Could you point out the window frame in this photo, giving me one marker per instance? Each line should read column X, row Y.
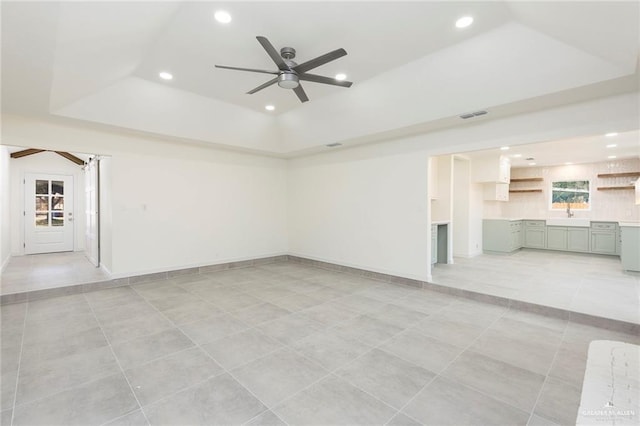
column 551, row 208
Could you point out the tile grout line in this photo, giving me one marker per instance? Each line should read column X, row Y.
column 355, row 273
column 15, row 393
column 334, row 300
column 450, row 363
column 285, row 345
column 117, row 360
column 207, row 354
column 333, row 371
column 546, row 376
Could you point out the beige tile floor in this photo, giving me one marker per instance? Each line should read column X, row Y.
column 286, row 344
column 39, row 271
column 586, row 283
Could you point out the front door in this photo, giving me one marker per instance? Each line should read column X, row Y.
column 48, row 213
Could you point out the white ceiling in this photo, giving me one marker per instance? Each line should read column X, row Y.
column 99, row 61
column 596, row 148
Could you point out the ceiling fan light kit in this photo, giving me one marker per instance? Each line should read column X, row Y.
column 288, row 80
column 290, row 73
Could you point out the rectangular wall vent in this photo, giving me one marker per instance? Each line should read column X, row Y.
column 473, row 114
column 333, row 145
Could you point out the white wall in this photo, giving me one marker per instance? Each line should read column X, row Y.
column 361, row 208
column 461, row 181
column 442, row 205
column 605, row 205
column 186, row 212
column 174, row 205
column 5, row 208
column 46, row 163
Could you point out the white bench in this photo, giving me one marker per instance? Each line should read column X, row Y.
column 611, row 386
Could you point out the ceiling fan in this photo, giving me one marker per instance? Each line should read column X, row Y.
column 290, row 73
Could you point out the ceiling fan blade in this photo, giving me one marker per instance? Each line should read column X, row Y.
column 320, row 60
column 324, row 80
column 247, row 69
column 301, row 95
column 262, row 86
column 273, row 53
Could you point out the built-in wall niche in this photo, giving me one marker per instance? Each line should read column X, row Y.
column 616, row 187
column 529, row 185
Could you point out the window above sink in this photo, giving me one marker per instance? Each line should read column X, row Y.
column 570, row 195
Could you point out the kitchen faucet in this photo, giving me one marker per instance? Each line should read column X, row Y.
column 569, row 212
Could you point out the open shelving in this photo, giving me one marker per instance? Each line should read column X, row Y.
column 525, row 190
column 617, row 175
column 531, row 179
column 613, row 188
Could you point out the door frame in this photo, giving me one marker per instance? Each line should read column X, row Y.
column 92, row 166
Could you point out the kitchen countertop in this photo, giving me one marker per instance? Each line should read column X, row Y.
column 512, row 219
column 630, row 224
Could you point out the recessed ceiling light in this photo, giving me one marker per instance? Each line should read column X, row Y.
column 504, row 148
column 612, row 134
column 612, row 145
column 222, row 16
column 568, row 163
column 611, row 157
column 517, row 155
column 165, row 75
column 341, row 77
column 269, row 107
column 464, row 22
column 532, row 164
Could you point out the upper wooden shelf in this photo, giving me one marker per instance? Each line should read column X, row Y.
column 531, row 179
column 612, row 188
column 615, row 175
column 525, row 190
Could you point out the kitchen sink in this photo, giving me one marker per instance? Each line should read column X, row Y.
column 569, row 221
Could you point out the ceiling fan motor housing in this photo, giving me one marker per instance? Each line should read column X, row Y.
column 288, row 52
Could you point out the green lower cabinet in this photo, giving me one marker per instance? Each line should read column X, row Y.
column 535, row 233
column 630, row 252
column 501, row 236
column 556, row 238
column 568, row 238
column 578, row 239
column 604, row 242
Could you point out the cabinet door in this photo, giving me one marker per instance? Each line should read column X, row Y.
column 496, row 192
column 556, row 238
column 630, row 250
column 505, row 169
column 578, row 239
column 534, row 237
column 603, row 242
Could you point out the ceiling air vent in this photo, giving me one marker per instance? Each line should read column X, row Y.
column 473, row 114
column 333, row 145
